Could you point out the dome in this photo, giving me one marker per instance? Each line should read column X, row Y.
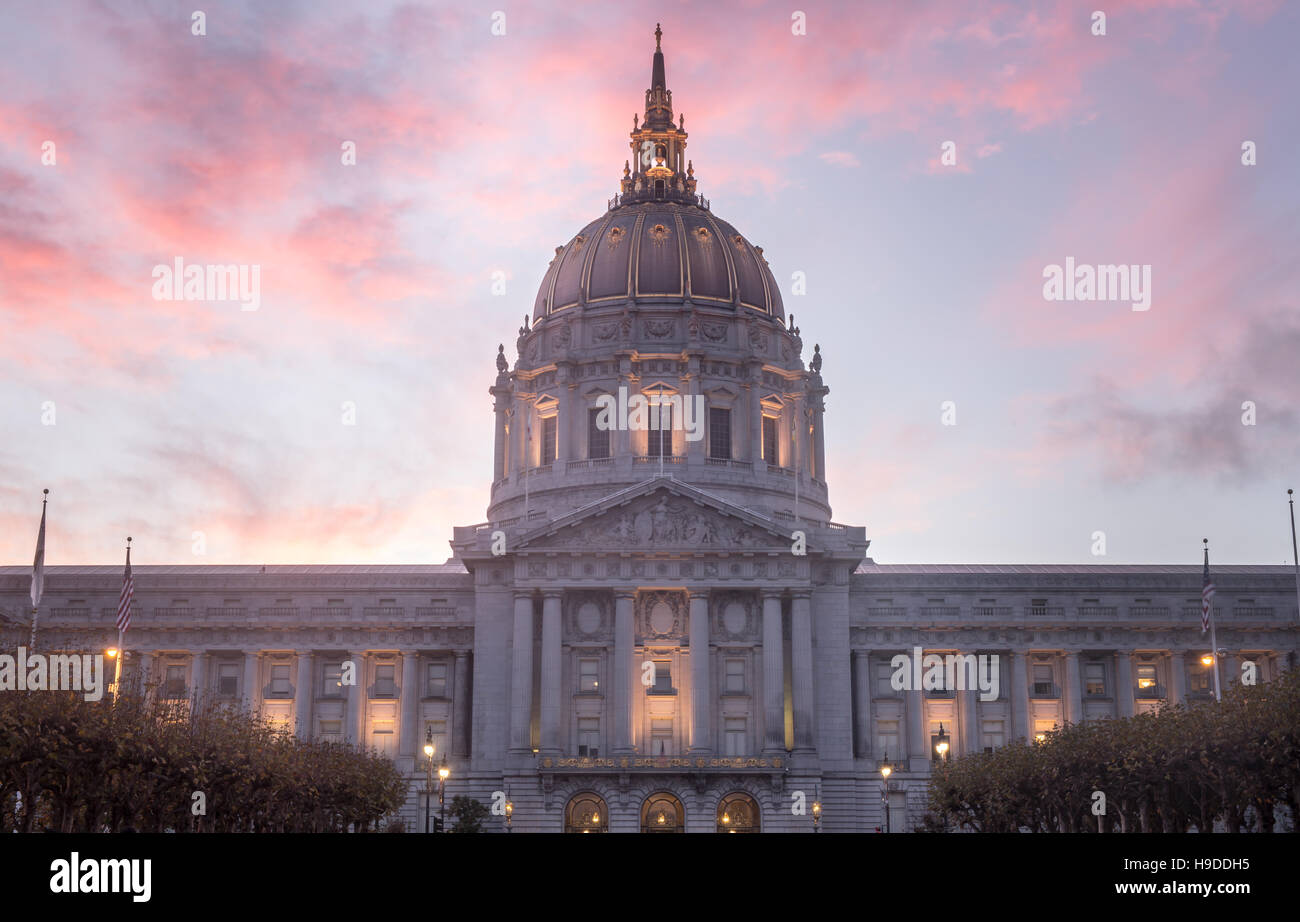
column 657, row 252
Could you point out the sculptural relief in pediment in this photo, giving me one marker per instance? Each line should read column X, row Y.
column 662, row 521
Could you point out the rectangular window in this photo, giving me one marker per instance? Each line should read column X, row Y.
column 1146, row 681
column 769, row 440
column 1042, row 728
column 735, row 676
column 719, row 433
column 331, row 683
column 588, row 675
column 884, row 681
column 175, row 685
column 663, row 677
column 661, row 737
column 597, row 438
column 228, row 680
column 660, row 441
column 887, row 743
column 1094, row 679
column 589, row 737
column 1043, row 685
column 995, row 734
column 331, row 730
column 383, row 738
column 735, row 736
column 280, row 681
column 439, row 730
column 1199, row 678
column 548, row 439
column 385, row 680
column 437, row 680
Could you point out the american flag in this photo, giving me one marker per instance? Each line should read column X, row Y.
column 1207, row 594
column 124, row 602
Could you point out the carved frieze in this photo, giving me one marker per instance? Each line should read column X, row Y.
column 665, row 521
column 734, row 615
column 587, row 615
column 661, row 616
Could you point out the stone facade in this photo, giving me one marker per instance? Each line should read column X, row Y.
column 658, row 632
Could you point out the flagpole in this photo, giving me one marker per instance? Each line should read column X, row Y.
column 1214, row 643
column 38, row 573
column 1295, row 559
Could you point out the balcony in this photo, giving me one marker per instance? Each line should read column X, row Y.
column 992, row 611
column 1097, row 611
column 887, row 611
column 939, row 611
column 1150, row 692
column 1149, row 612
column 1044, row 690
column 1045, row 611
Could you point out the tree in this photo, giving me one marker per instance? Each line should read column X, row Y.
column 469, row 814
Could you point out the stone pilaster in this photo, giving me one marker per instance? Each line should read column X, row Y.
column 862, row 703
column 521, row 675
column 773, row 675
column 802, row 667
column 1124, row 683
column 551, row 672
column 622, row 670
column 302, row 695
column 701, row 693
column 462, row 705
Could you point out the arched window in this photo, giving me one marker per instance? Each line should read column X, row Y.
column 586, row 812
column 662, row 812
column 738, row 812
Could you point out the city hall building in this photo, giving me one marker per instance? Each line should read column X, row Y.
column 662, row 628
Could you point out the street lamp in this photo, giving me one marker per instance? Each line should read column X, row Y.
column 510, row 811
column 941, row 745
column 443, row 772
column 428, row 776
column 817, row 815
column 886, row 769
column 111, row 653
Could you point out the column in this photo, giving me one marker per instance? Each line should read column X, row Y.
column 551, row 668
column 801, row 662
column 199, row 676
column 302, row 696
column 1020, row 695
column 521, row 674
column 1124, row 683
column 1073, row 690
column 356, row 712
column 623, row 672
column 252, row 683
column 695, row 449
column 773, row 675
column 701, row 693
column 968, row 698
column 564, row 422
column 918, row 741
column 144, row 670
column 862, row 702
column 756, row 424
column 409, row 742
column 499, row 405
column 461, row 704
column 819, row 441
column 1177, row 679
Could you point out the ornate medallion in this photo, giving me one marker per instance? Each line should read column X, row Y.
column 658, row 234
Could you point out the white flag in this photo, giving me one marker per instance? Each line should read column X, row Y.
column 38, row 565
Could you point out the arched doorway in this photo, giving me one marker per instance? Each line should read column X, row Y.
column 662, row 812
column 586, row 812
column 738, row 812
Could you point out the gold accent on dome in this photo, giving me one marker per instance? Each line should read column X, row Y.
column 615, row 237
column 702, row 234
column 659, row 233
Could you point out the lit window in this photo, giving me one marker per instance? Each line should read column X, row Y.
column 663, row 678
column 588, row 675
column 659, row 442
column 1147, row 686
column 384, row 738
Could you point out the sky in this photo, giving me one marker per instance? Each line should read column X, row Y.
column 347, row 418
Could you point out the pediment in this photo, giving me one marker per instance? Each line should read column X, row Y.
column 663, row 518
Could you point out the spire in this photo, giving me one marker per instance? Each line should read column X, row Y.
column 661, row 171
column 657, row 79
